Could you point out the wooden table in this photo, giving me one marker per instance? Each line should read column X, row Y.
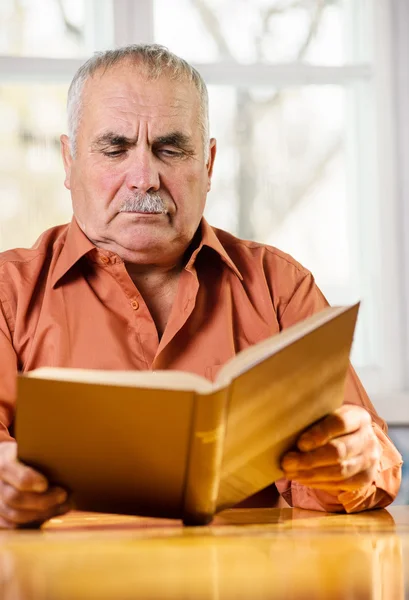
column 247, row 553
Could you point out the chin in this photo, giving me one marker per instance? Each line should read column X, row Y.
column 143, row 246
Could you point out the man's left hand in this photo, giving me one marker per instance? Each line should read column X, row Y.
column 339, row 453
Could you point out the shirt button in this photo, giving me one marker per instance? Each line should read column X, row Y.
column 104, row 259
column 135, row 304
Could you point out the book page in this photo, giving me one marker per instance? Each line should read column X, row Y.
column 248, row 358
column 175, row 380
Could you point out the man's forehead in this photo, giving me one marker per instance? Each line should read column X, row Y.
column 129, row 83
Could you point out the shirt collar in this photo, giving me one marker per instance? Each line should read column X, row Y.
column 77, row 245
column 210, row 239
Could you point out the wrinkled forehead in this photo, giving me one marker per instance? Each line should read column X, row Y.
column 128, row 85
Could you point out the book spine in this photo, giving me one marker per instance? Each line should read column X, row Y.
column 205, row 458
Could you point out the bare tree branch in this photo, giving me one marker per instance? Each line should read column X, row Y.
column 212, row 24
column 72, row 29
column 315, row 23
column 273, row 11
column 319, row 6
column 249, row 109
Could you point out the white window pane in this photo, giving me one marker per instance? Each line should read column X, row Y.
column 281, row 177
column 280, row 174
column 314, row 31
column 32, row 194
column 52, row 28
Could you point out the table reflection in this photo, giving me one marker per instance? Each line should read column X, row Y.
column 292, row 554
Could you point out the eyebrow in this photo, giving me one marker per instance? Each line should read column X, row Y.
column 175, row 138
column 112, row 139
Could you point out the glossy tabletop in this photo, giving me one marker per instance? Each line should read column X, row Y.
column 247, row 553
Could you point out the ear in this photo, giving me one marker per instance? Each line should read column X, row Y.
column 67, row 159
column 210, row 162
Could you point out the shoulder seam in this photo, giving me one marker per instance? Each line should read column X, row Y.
column 25, row 261
column 308, row 274
column 3, row 298
column 271, row 250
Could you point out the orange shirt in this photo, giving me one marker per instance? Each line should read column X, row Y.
column 66, row 303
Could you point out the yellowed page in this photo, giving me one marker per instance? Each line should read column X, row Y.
column 255, row 354
column 175, row 380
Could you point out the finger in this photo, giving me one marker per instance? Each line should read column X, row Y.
column 5, row 524
column 336, row 473
column 31, row 500
column 334, row 452
column 22, row 477
column 22, row 517
column 37, row 523
column 359, row 481
column 344, row 420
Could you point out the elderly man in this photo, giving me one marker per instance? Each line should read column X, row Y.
column 139, row 280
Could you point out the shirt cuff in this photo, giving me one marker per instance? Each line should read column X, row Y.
column 378, row 494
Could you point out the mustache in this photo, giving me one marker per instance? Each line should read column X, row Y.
column 149, row 202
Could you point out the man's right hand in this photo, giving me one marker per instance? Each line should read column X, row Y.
column 25, row 496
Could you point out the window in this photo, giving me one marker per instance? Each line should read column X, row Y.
column 32, row 197
column 40, row 42
column 303, row 127
column 44, row 28
column 301, row 102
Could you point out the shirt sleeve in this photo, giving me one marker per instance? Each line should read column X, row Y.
column 307, row 300
column 8, row 373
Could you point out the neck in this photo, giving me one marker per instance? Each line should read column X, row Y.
column 152, row 275
column 158, row 287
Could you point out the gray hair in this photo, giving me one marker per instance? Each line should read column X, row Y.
column 157, row 61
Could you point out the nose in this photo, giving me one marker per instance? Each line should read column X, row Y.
column 143, row 174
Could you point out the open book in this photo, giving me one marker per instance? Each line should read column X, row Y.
column 172, row 444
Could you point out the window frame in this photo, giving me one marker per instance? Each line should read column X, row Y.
column 387, row 382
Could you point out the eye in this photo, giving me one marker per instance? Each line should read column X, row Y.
column 170, row 153
column 114, row 153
